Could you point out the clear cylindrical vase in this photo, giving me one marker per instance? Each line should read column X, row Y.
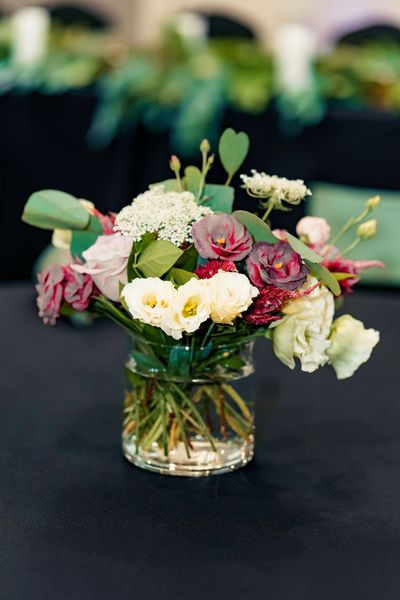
column 184, row 411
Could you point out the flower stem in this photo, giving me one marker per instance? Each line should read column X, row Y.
column 351, row 246
column 267, row 212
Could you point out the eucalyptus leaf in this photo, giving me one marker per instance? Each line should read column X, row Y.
column 146, row 363
column 325, row 276
column 53, row 209
column 233, row 148
column 260, row 231
column 170, row 185
column 83, row 239
column 188, row 260
column 158, row 258
column 193, row 178
column 302, row 249
column 218, row 197
column 179, row 361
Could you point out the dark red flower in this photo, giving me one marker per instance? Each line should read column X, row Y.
column 268, row 304
column 276, row 264
column 212, row 267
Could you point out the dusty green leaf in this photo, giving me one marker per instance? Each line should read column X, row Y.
column 303, row 249
column 53, row 209
column 158, row 258
column 260, row 231
column 233, row 148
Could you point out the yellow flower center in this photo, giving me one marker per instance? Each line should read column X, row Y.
column 190, row 308
column 152, row 302
column 278, row 265
column 221, row 241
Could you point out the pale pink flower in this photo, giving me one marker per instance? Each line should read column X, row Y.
column 106, row 261
column 313, row 230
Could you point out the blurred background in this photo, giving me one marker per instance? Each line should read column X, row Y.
column 95, row 95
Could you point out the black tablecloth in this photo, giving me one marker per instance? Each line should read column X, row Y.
column 315, row 516
column 43, row 145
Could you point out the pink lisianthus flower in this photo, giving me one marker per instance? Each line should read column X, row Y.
column 78, row 289
column 313, row 230
column 268, row 304
column 50, row 293
column 276, row 264
column 106, row 262
column 221, row 236
column 353, row 267
column 212, row 267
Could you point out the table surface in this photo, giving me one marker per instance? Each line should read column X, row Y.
column 315, row 516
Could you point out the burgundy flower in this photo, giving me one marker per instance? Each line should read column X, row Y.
column 343, row 265
column 50, row 293
column 78, row 289
column 276, row 264
column 212, row 267
column 268, row 304
column 221, row 236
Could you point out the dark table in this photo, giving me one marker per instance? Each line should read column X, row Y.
column 315, row 516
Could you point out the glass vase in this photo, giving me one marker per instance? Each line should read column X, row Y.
column 183, row 412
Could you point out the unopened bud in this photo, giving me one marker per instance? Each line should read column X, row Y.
column 373, row 203
column 205, row 146
column 367, row 230
column 175, row 164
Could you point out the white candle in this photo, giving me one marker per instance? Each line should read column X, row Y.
column 294, row 49
column 30, row 28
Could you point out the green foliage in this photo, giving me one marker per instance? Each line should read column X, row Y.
column 260, row 231
column 233, row 148
column 147, row 364
column 218, row 197
column 53, row 209
column 82, row 239
column 188, row 260
column 302, row 249
column 193, row 179
column 157, row 258
column 321, row 273
column 180, row 276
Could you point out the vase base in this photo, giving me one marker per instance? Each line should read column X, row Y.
column 203, row 461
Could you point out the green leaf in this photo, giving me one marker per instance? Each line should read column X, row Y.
column 188, row 260
column 170, row 185
column 180, row 276
column 134, row 379
column 218, row 197
column 302, row 249
column 233, row 148
column 341, row 276
column 53, row 209
column 192, row 179
column 147, row 364
column 260, row 231
column 137, row 248
column 83, row 239
column 158, row 258
column 179, row 361
column 325, row 276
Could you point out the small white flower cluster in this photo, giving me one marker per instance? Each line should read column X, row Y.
column 169, row 214
column 276, row 188
column 222, row 298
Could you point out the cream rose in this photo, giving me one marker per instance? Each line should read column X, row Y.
column 303, row 332
column 313, row 230
column 191, row 307
column 106, row 261
column 148, row 300
column 230, row 295
column 351, row 345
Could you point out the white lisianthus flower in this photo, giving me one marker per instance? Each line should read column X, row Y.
column 351, row 345
column 230, row 295
column 304, row 331
column 313, row 230
column 191, row 307
column 149, row 299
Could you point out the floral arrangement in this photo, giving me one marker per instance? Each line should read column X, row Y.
column 194, row 283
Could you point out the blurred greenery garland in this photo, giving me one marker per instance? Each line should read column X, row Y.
column 185, row 88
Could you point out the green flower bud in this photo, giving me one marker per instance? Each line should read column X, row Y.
column 373, row 203
column 367, row 230
column 175, row 164
column 205, row 146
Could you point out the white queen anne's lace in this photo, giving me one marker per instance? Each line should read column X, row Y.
column 277, row 188
column 170, row 214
